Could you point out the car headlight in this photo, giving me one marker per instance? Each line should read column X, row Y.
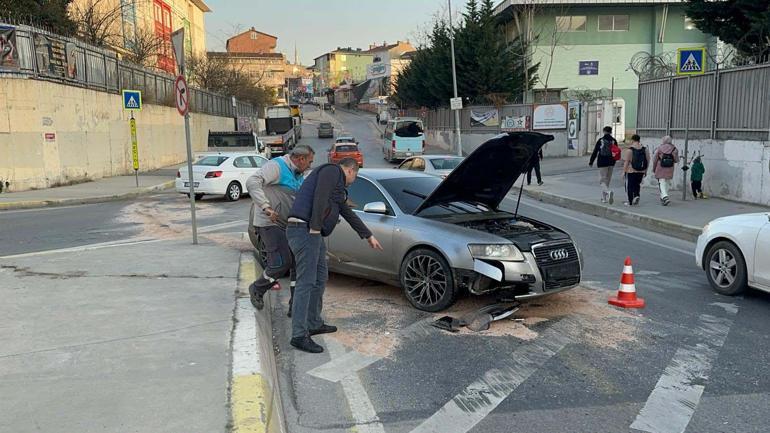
column 507, row 252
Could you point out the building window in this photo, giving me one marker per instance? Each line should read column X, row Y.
column 128, row 16
column 254, row 36
column 571, row 23
column 613, row 23
column 343, row 57
column 689, row 24
column 162, row 21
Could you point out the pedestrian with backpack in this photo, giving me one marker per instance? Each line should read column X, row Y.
column 606, row 152
column 663, row 162
column 636, row 160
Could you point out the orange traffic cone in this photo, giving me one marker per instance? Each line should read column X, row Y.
column 627, row 291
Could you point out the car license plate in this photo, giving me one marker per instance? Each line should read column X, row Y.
column 408, row 153
column 195, row 184
column 561, row 272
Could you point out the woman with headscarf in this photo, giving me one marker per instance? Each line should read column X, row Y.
column 663, row 162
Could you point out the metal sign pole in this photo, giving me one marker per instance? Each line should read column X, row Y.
column 134, row 148
column 686, row 139
column 454, row 81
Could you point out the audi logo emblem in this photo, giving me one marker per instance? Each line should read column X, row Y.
column 559, row 254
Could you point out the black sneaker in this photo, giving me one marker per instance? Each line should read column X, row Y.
column 540, row 183
column 256, row 296
column 306, row 344
column 324, row 329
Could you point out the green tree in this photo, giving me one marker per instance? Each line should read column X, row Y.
column 489, row 68
column 49, row 13
column 745, row 24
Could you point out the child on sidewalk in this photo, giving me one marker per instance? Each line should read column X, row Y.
column 696, row 177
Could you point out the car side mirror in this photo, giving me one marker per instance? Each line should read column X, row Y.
column 377, row 207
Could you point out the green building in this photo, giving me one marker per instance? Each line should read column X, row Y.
column 594, row 47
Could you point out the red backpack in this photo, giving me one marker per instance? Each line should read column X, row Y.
column 615, row 149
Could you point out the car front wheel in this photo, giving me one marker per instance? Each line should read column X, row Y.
column 726, row 269
column 427, row 280
column 234, row 191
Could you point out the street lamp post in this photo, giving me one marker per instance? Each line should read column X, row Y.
column 454, row 81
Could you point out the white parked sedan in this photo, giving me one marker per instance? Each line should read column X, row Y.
column 224, row 173
column 735, row 253
column 436, row 165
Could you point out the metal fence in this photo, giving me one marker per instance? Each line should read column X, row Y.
column 729, row 104
column 47, row 56
column 443, row 119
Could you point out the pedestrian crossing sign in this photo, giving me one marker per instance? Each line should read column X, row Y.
column 690, row 61
column 132, row 100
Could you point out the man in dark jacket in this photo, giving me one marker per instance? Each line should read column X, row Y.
column 321, row 200
column 606, row 162
column 534, row 164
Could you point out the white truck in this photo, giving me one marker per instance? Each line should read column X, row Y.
column 281, row 130
column 234, row 141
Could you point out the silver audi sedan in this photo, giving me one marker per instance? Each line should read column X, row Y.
column 441, row 237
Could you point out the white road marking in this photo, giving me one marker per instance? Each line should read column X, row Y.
column 480, row 398
column 120, row 243
column 361, row 407
column 607, row 229
column 340, row 367
column 246, row 356
column 349, row 363
column 675, row 397
column 46, row 209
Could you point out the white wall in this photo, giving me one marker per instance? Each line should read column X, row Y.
column 90, row 134
column 735, row 170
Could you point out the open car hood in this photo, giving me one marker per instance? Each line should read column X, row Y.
column 488, row 173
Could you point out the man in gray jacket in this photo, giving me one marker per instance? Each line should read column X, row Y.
column 272, row 189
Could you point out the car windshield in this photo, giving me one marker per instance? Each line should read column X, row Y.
column 410, row 192
column 346, row 148
column 325, row 125
column 244, row 140
column 211, row 161
column 445, row 163
column 408, row 128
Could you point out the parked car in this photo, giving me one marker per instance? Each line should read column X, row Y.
column 325, row 130
column 436, row 165
column 345, row 147
column 445, row 236
column 221, row 174
column 403, row 137
column 735, row 253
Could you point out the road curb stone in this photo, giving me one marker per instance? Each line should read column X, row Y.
column 35, row 204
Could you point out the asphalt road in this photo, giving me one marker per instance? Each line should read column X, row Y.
column 691, row 361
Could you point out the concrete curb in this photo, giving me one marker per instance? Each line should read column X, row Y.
column 660, row 225
column 34, row 204
column 255, row 401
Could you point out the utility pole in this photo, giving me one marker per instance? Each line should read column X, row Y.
column 454, row 81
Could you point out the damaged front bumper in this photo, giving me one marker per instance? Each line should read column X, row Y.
column 537, row 275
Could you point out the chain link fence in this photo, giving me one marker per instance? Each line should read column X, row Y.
column 40, row 54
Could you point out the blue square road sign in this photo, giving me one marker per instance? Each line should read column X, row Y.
column 132, row 100
column 690, row 61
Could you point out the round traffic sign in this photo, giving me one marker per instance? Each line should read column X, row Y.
column 182, row 94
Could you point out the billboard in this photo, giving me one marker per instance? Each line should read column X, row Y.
column 377, row 70
column 484, row 117
column 9, row 56
column 549, row 116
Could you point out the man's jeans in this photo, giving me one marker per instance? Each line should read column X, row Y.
column 312, row 273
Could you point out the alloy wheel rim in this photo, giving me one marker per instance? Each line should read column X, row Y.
column 234, row 193
column 723, row 268
column 426, row 281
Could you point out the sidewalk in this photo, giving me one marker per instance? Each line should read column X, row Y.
column 97, row 191
column 570, row 183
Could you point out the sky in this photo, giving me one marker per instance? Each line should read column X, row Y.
column 320, row 26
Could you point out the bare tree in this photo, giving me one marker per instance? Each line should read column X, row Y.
column 98, row 21
column 143, row 48
column 553, row 39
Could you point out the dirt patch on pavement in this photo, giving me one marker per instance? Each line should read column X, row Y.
column 372, row 316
